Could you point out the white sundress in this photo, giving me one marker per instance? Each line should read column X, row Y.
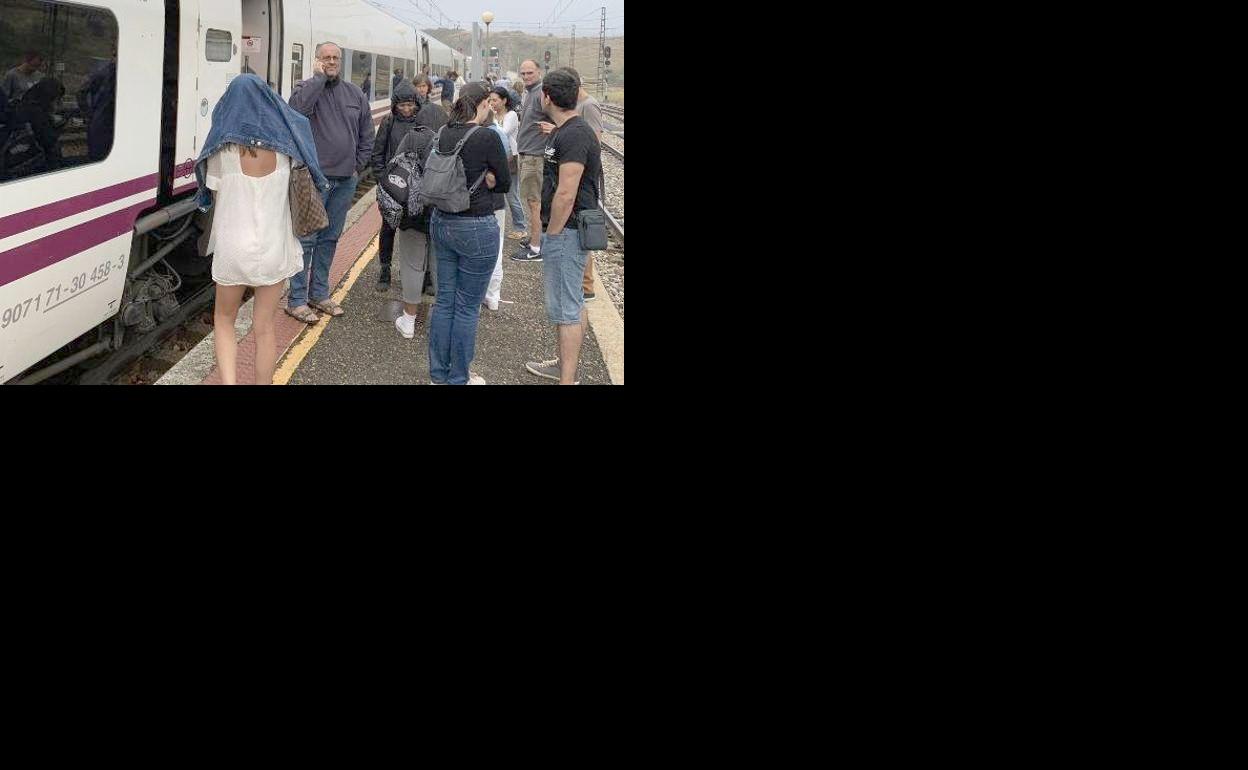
column 252, row 239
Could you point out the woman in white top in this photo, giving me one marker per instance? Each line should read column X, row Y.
column 254, row 245
column 501, row 99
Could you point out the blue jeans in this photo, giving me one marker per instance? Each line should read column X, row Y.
column 519, row 217
column 563, row 270
column 318, row 249
column 466, row 249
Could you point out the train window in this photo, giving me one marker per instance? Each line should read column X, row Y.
column 296, row 63
column 362, row 70
column 385, row 74
column 218, row 45
column 58, row 90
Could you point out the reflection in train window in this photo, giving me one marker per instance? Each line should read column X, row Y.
column 362, row 70
column 296, row 64
column 58, row 90
column 218, row 45
column 385, row 73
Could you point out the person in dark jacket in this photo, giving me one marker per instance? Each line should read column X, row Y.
column 342, row 125
column 447, row 83
column 412, row 243
column 401, row 120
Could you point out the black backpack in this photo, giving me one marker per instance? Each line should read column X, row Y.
column 398, row 189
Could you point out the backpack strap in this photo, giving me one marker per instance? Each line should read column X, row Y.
column 464, row 141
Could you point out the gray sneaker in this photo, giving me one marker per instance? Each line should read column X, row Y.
column 548, row 369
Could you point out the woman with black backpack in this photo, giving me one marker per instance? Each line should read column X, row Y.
column 405, row 105
column 465, row 242
column 415, row 258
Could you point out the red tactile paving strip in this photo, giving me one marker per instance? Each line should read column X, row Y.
column 350, row 246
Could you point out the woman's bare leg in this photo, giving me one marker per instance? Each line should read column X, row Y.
column 229, row 299
column 264, row 325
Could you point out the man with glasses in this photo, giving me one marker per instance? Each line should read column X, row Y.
column 342, row 127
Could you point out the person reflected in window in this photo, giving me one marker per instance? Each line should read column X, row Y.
column 98, row 102
column 23, row 77
column 36, row 108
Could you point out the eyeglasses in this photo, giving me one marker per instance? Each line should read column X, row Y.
column 330, row 58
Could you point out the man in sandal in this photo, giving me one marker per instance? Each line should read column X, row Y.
column 342, row 127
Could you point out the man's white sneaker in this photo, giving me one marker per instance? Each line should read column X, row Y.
column 406, row 326
column 475, row 379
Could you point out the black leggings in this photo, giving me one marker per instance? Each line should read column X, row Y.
column 387, row 244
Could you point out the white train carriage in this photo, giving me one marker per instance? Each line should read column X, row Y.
column 110, row 102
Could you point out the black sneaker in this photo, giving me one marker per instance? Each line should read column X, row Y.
column 526, row 254
column 383, row 283
column 589, row 295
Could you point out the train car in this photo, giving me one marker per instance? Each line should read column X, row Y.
column 99, row 245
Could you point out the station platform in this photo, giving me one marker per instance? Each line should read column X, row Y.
column 362, row 347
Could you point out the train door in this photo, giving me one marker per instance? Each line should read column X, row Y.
column 220, row 43
column 262, row 40
column 424, row 57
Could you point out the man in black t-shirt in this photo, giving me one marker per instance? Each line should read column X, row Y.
column 573, row 161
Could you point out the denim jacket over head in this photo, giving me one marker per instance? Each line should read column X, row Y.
column 252, row 114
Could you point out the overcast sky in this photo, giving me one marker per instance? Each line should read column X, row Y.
column 522, row 15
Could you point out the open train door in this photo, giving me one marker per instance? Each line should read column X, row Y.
column 220, row 58
column 262, row 41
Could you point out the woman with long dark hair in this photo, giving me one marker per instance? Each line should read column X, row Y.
column 465, row 243
column 506, row 105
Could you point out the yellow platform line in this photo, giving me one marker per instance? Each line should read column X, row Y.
column 303, row 346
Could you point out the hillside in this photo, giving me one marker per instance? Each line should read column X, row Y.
column 515, row 47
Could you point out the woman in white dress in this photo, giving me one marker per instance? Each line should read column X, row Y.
column 254, row 245
column 244, row 172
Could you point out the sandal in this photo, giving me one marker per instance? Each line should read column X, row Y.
column 328, row 307
column 306, row 315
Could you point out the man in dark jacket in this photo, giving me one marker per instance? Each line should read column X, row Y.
column 402, row 119
column 342, row 127
column 447, row 82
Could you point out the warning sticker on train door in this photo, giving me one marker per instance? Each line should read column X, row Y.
column 253, row 44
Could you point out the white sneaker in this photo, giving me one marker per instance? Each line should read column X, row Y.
column 406, row 326
column 492, row 304
column 475, row 379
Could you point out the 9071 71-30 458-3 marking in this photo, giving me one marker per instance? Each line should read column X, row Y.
column 47, row 301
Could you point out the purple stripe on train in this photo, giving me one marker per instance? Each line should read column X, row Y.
column 35, row 256
column 32, row 218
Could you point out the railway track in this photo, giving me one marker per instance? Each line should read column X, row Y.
column 614, row 178
column 613, row 111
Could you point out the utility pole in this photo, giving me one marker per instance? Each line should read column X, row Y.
column 602, row 45
column 573, row 54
